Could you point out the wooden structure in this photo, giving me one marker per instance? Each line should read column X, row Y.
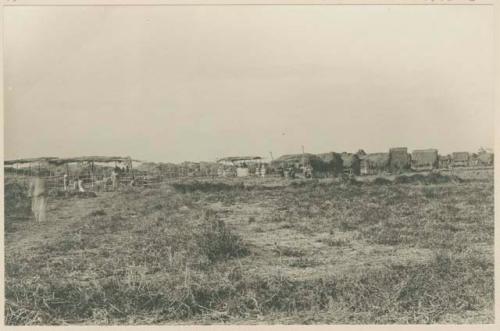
column 239, row 161
column 240, row 166
column 56, row 169
column 29, row 166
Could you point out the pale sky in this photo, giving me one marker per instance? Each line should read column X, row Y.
column 197, row 83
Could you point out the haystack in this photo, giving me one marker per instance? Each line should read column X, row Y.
column 149, row 167
column 334, row 162
column 399, row 159
column 460, row 159
column 424, row 159
column 209, row 168
column 485, row 159
column 351, row 163
column 361, row 153
column 298, row 161
column 482, row 159
column 444, row 161
column 375, row 163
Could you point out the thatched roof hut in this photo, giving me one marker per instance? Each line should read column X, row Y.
column 361, row 153
column 484, row 159
column 399, row 159
column 460, row 158
column 424, row 159
column 374, row 163
column 334, row 161
column 209, row 168
column 351, row 163
column 444, row 161
column 299, row 161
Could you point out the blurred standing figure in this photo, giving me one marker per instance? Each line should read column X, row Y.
column 80, row 185
column 114, row 179
column 65, row 182
column 38, row 194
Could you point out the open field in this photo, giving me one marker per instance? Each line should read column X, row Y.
column 377, row 250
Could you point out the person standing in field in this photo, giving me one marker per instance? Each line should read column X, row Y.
column 80, row 185
column 65, row 182
column 114, row 179
column 38, row 194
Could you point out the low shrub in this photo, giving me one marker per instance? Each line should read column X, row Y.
column 218, row 243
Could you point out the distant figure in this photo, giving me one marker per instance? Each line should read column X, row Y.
column 114, row 179
column 80, row 185
column 65, row 182
column 38, row 194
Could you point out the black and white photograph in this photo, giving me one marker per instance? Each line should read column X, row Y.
column 248, row 163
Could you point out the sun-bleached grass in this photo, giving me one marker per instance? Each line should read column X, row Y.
column 227, row 252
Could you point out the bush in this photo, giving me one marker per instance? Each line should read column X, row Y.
column 218, row 243
column 206, row 186
column 381, row 181
column 16, row 198
column 431, row 178
column 98, row 212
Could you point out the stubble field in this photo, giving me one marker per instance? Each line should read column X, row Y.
column 382, row 250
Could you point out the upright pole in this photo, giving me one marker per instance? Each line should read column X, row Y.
column 92, row 172
column 303, row 157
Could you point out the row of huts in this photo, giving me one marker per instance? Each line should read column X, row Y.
column 396, row 160
column 399, row 160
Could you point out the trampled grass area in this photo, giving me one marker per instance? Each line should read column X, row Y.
column 266, row 251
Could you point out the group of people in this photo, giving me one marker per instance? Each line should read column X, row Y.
column 291, row 171
column 77, row 184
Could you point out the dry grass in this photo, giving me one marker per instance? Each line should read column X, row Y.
column 256, row 252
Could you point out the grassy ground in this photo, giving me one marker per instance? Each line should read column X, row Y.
column 263, row 251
